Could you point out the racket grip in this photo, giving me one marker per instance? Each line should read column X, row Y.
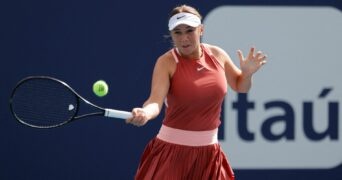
column 117, row 114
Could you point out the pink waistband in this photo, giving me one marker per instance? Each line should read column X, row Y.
column 188, row 138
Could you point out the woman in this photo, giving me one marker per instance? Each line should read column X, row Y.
column 191, row 79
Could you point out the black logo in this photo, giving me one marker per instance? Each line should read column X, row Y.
column 179, row 17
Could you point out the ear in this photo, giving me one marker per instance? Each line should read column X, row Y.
column 201, row 29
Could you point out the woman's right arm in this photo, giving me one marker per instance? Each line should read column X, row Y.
column 162, row 72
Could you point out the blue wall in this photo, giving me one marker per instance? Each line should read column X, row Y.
column 81, row 42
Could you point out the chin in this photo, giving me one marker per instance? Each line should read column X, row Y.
column 187, row 50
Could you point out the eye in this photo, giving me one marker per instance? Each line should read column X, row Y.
column 190, row 30
column 177, row 32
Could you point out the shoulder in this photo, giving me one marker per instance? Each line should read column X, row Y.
column 167, row 62
column 220, row 54
column 166, row 58
column 215, row 50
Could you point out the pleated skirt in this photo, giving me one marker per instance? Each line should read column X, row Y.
column 163, row 160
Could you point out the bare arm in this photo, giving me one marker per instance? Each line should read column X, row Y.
column 159, row 89
column 249, row 66
column 240, row 80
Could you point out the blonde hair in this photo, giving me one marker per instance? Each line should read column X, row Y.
column 185, row 8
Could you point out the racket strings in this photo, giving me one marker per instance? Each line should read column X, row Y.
column 44, row 103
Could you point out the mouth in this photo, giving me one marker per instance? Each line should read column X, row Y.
column 185, row 46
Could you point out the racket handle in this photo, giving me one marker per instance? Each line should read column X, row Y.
column 117, row 114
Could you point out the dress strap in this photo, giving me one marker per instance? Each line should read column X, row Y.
column 207, row 50
column 174, row 55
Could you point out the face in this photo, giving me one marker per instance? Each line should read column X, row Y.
column 187, row 40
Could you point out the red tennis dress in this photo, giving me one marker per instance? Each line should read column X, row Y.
column 186, row 147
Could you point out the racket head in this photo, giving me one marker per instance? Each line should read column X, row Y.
column 43, row 102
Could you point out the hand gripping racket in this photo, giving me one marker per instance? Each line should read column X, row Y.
column 46, row 102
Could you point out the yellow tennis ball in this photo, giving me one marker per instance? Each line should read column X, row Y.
column 100, row 88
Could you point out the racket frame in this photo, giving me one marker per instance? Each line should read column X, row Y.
column 102, row 111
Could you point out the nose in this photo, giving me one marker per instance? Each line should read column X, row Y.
column 184, row 38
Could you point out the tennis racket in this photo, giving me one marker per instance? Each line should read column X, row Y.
column 47, row 102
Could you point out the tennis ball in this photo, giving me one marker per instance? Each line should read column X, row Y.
column 100, row 88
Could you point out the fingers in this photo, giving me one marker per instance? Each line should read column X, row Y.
column 139, row 117
column 259, row 56
column 251, row 53
column 262, row 59
column 239, row 52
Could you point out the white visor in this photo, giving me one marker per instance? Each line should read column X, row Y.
column 184, row 18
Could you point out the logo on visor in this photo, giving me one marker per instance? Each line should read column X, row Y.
column 179, row 17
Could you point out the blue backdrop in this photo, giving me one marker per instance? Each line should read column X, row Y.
column 81, row 41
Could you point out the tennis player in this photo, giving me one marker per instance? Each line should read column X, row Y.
column 191, row 80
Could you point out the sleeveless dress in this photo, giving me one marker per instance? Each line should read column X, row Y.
column 186, row 147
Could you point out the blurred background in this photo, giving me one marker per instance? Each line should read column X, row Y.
column 81, row 42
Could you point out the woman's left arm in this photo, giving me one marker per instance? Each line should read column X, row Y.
column 249, row 66
column 240, row 80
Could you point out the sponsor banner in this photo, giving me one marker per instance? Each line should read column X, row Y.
column 291, row 117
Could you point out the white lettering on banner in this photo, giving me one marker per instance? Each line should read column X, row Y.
column 291, row 117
